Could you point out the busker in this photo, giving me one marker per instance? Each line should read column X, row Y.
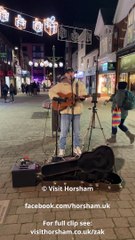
column 66, row 86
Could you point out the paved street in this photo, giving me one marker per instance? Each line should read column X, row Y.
column 24, row 131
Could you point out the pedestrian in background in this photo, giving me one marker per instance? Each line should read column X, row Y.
column 12, row 91
column 118, row 101
column 5, row 89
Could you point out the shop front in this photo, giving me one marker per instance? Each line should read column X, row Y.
column 107, row 78
column 90, row 80
column 127, row 70
column 2, row 75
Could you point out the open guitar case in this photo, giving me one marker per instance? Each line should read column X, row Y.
column 95, row 168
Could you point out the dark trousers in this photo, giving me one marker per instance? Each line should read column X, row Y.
column 121, row 126
column 11, row 97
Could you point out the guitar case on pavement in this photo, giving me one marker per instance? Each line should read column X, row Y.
column 95, row 167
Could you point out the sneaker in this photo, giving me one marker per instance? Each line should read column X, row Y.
column 77, row 151
column 112, row 139
column 61, row 152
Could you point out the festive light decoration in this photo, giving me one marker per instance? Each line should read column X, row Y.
column 20, row 22
column 37, row 26
column 55, row 65
column 50, row 65
column 60, row 64
column 30, row 63
column 4, row 15
column 36, row 64
column 41, row 64
column 46, row 63
column 72, row 34
column 50, row 26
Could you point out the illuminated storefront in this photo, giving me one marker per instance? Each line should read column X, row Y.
column 107, row 78
column 126, row 55
column 127, row 70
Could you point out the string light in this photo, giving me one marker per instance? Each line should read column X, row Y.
column 50, row 26
column 30, row 63
column 37, row 26
column 36, row 64
column 20, row 22
column 4, row 15
column 50, row 65
column 61, row 64
column 55, row 65
column 41, row 64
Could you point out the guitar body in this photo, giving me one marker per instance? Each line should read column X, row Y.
column 90, row 167
column 69, row 101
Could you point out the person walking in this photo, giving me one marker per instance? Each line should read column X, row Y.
column 5, row 89
column 12, row 92
column 66, row 86
column 118, row 101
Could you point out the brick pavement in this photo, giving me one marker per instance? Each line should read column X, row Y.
column 21, row 135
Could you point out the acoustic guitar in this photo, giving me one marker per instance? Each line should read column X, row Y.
column 65, row 100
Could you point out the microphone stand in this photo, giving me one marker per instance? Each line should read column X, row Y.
column 72, row 81
column 56, row 158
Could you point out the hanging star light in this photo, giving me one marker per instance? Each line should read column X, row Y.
column 20, row 22
column 37, row 26
column 4, row 15
column 50, row 26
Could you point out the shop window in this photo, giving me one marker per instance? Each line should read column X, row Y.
column 82, row 43
column 132, row 83
column 103, row 46
column 88, row 63
column 81, row 60
column 24, row 48
column 131, row 26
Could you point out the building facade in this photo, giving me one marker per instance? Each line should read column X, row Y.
column 6, row 63
column 90, row 68
column 124, row 21
column 107, row 56
column 32, row 52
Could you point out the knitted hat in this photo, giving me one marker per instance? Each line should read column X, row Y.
column 122, row 85
column 69, row 69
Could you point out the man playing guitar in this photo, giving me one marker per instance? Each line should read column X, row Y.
column 68, row 95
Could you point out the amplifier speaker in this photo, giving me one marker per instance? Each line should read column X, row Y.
column 24, row 177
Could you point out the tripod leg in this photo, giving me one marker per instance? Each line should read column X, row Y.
column 86, row 134
column 91, row 128
column 100, row 126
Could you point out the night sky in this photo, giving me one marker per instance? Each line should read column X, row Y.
column 79, row 13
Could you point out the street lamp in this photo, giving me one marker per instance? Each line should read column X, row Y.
column 31, row 70
column 53, row 50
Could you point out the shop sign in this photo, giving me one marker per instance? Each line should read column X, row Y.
column 3, row 55
column 25, row 73
column 127, row 63
column 10, row 73
column 104, row 67
column 111, row 66
column 107, row 67
column 1, row 73
column 79, row 74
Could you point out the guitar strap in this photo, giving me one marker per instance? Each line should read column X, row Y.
column 77, row 89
